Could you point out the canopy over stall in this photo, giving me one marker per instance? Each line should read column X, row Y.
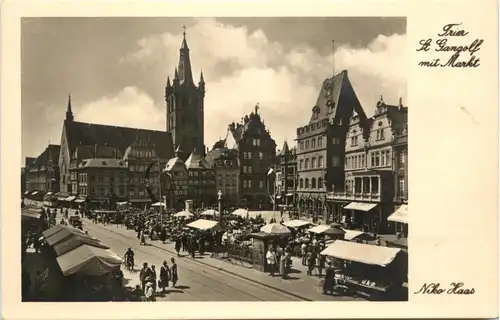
column 326, row 229
column 63, row 235
column 357, row 235
column 241, row 212
column 362, row 253
column 72, row 243
column 31, row 213
column 159, row 204
column 297, row 223
column 79, row 201
column 202, row 224
column 89, row 260
column 275, row 228
column 184, row 214
column 401, row 215
column 210, row 212
column 70, row 198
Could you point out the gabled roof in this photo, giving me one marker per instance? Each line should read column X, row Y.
column 89, row 134
column 285, row 149
column 173, row 162
column 196, row 161
column 336, row 91
column 51, row 153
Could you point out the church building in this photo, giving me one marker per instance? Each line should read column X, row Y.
column 82, row 142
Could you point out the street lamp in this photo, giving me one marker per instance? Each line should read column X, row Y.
column 219, row 199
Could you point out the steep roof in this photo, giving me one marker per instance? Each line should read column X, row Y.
column 196, row 161
column 50, row 153
column 336, row 91
column 220, row 153
column 173, row 162
column 89, row 134
column 103, row 163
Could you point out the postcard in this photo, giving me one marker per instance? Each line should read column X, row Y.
column 221, row 160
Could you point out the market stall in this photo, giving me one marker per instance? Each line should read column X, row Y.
column 89, row 260
column 357, row 236
column 275, row 228
column 326, row 230
column 297, row 223
column 202, row 224
column 183, row 214
column 375, row 272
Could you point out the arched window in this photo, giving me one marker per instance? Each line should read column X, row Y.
column 313, row 183
column 301, row 183
column 307, row 183
column 320, row 183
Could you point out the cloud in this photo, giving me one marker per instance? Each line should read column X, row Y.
column 129, row 107
column 242, row 68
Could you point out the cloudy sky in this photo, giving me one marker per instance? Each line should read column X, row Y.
column 116, row 69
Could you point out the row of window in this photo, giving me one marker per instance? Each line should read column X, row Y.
column 141, row 154
column 362, row 185
column 248, row 184
column 248, row 155
column 317, row 163
column 354, row 139
column 311, row 143
column 381, row 158
column 226, row 182
column 315, row 183
column 227, row 174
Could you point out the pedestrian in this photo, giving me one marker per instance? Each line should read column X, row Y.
column 164, row 276
column 143, row 275
column 154, row 277
column 320, row 261
column 178, row 244
column 163, row 234
column 150, row 296
column 283, row 266
column 271, row 260
column 303, row 252
column 143, row 237
column 329, row 281
column 173, row 272
column 311, row 259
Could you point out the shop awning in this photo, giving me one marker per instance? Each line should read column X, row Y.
column 297, row 223
column 89, row 260
column 61, row 198
column 70, row 198
column 289, row 194
column 74, row 242
column 34, row 193
column 357, row 235
column 361, row 206
column 202, row 224
column 278, row 197
column 362, row 253
column 48, row 193
column 122, row 203
column 50, row 231
column 79, row 200
column 26, row 192
column 401, row 215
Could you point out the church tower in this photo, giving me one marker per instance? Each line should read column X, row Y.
column 185, row 105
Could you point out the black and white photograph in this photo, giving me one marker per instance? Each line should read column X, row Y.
column 214, row 159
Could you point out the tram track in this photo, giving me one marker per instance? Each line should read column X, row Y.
column 189, row 263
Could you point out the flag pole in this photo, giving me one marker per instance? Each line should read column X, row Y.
column 161, row 198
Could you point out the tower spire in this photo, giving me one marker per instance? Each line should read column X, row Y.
column 185, row 72
column 69, row 111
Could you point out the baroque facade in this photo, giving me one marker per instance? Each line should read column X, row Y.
column 372, row 175
column 321, row 145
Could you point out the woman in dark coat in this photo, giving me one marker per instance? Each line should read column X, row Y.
column 164, row 276
column 178, row 244
column 173, row 272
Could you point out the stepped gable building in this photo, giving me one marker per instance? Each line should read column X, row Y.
column 42, row 173
column 185, row 106
column 83, row 141
column 321, row 145
column 374, row 163
column 287, row 168
column 193, row 179
column 227, row 171
column 256, row 155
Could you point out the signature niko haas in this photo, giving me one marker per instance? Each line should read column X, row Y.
column 454, row 288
